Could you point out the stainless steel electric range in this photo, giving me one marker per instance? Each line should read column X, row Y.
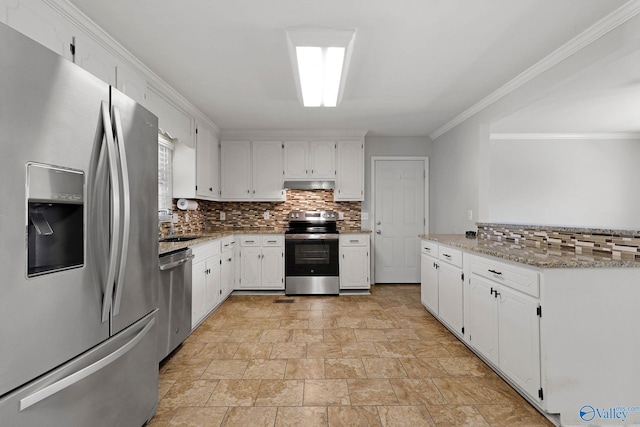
column 311, row 254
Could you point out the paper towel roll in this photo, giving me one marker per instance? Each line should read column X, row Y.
column 187, row 205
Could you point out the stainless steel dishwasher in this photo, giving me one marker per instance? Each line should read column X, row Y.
column 174, row 314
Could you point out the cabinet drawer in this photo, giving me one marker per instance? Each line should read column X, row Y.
column 450, row 255
column 205, row 250
column 429, row 248
column 354, row 239
column 521, row 279
column 273, row 240
column 228, row 243
column 250, row 240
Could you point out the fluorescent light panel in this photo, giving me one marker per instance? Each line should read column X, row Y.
column 320, row 60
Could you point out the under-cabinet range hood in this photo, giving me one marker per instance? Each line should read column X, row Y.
column 309, row 185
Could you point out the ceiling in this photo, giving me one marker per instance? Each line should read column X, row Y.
column 416, row 64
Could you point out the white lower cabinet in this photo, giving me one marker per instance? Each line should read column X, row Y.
column 261, row 262
column 450, row 281
column 227, row 272
column 429, row 276
column 503, row 326
column 205, row 286
column 354, row 261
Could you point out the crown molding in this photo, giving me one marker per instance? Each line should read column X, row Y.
column 597, row 30
column 555, row 136
column 290, row 135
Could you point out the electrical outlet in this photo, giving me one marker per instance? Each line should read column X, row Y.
column 186, row 217
column 266, row 215
column 365, row 216
column 470, row 215
column 340, row 215
column 175, row 218
column 223, row 216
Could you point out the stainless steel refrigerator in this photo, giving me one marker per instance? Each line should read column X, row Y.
column 79, row 251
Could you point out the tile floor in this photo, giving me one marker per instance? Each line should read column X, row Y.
column 378, row 360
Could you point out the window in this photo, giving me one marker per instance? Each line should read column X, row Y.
column 165, row 180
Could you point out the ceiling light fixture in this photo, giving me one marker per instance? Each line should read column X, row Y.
column 320, row 59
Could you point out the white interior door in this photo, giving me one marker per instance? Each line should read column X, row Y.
column 399, row 219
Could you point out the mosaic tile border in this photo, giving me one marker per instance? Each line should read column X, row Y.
column 618, row 244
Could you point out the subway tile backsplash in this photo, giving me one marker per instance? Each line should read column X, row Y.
column 250, row 215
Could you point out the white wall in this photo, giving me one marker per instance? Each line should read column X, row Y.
column 464, row 158
column 388, row 146
column 565, row 182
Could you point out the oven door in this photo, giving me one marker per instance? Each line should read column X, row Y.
column 311, row 256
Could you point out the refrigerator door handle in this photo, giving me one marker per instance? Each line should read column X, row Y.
column 115, row 200
column 72, row 379
column 126, row 209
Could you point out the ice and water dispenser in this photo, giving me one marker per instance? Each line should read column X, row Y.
column 55, row 223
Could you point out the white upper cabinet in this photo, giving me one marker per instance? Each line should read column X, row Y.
column 309, row 159
column 350, row 171
column 207, row 164
column 251, row 171
column 37, row 21
column 95, row 59
column 172, row 119
column 235, row 170
column 267, row 170
column 131, row 84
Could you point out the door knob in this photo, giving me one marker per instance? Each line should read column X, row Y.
column 378, row 232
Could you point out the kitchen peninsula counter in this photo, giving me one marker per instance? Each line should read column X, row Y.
column 541, row 257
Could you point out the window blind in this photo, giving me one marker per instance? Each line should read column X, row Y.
column 165, row 179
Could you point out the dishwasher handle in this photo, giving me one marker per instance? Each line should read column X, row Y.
column 174, row 264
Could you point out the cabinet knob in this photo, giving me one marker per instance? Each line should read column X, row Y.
column 210, row 188
column 378, row 232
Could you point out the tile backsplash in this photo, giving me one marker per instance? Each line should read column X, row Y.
column 252, row 214
column 618, row 244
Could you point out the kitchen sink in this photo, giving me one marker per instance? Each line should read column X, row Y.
column 177, row 239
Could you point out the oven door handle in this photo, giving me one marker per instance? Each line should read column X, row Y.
column 311, row 237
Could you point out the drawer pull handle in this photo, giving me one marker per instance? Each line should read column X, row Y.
column 271, row 241
column 447, row 255
column 249, row 241
column 427, row 249
column 353, row 241
column 499, row 273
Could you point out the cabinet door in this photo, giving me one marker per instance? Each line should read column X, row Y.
column 250, row 263
column 482, row 325
column 198, row 286
column 95, row 59
column 212, row 290
column 350, row 171
column 450, row 296
column 172, row 119
column 207, row 158
column 520, row 339
column 226, row 274
column 295, row 159
column 429, row 283
column 267, row 170
column 235, row 170
column 272, row 268
column 131, row 83
column 322, row 159
column 354, row 267
column 39, row 22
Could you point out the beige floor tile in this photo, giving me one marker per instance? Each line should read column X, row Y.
column 163, row 416
column 363, row 335
column 374, row 323
column 341, row 416
column 412, row 391
column 423, row 367
column 323, row 350
column 188, row 393
column 262, row 369
column 163, row 386
column 371, row 392
column 310, row 314
column 225, row 369
column 303, row 416
column 234, row 393
column 288, row 350
column 308, row 335
column 351, row 322
column 280, row 393
column 326, row 392
column 304, row 369
column 394, row 349
column 210, row 336
column 244, row 335
column 359, row 349
column 238, row 323
column 384, row 367
column 428, row 349
column 401, row 334
column 460, row 366
column 510, row 415
column 294, row 324
column 222, row 350
column 344, row 368
column 322, row 323
column 266, row 324
column 254, row 417
column 402, row 416
column 457, row 416
column 457, row 349
column 198, row 417
column 341, row 335
column 461, row 391
column 185, row 369
column 500, row 391
column 276, row 335
column 253, row 350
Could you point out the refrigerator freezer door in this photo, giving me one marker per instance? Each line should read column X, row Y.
column 136, row 131
column 114, row 384
column 50, row 113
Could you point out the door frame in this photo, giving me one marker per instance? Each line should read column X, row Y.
column 425, row 228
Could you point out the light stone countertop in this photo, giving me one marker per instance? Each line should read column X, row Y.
column 166, row 247
column 547, row 257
